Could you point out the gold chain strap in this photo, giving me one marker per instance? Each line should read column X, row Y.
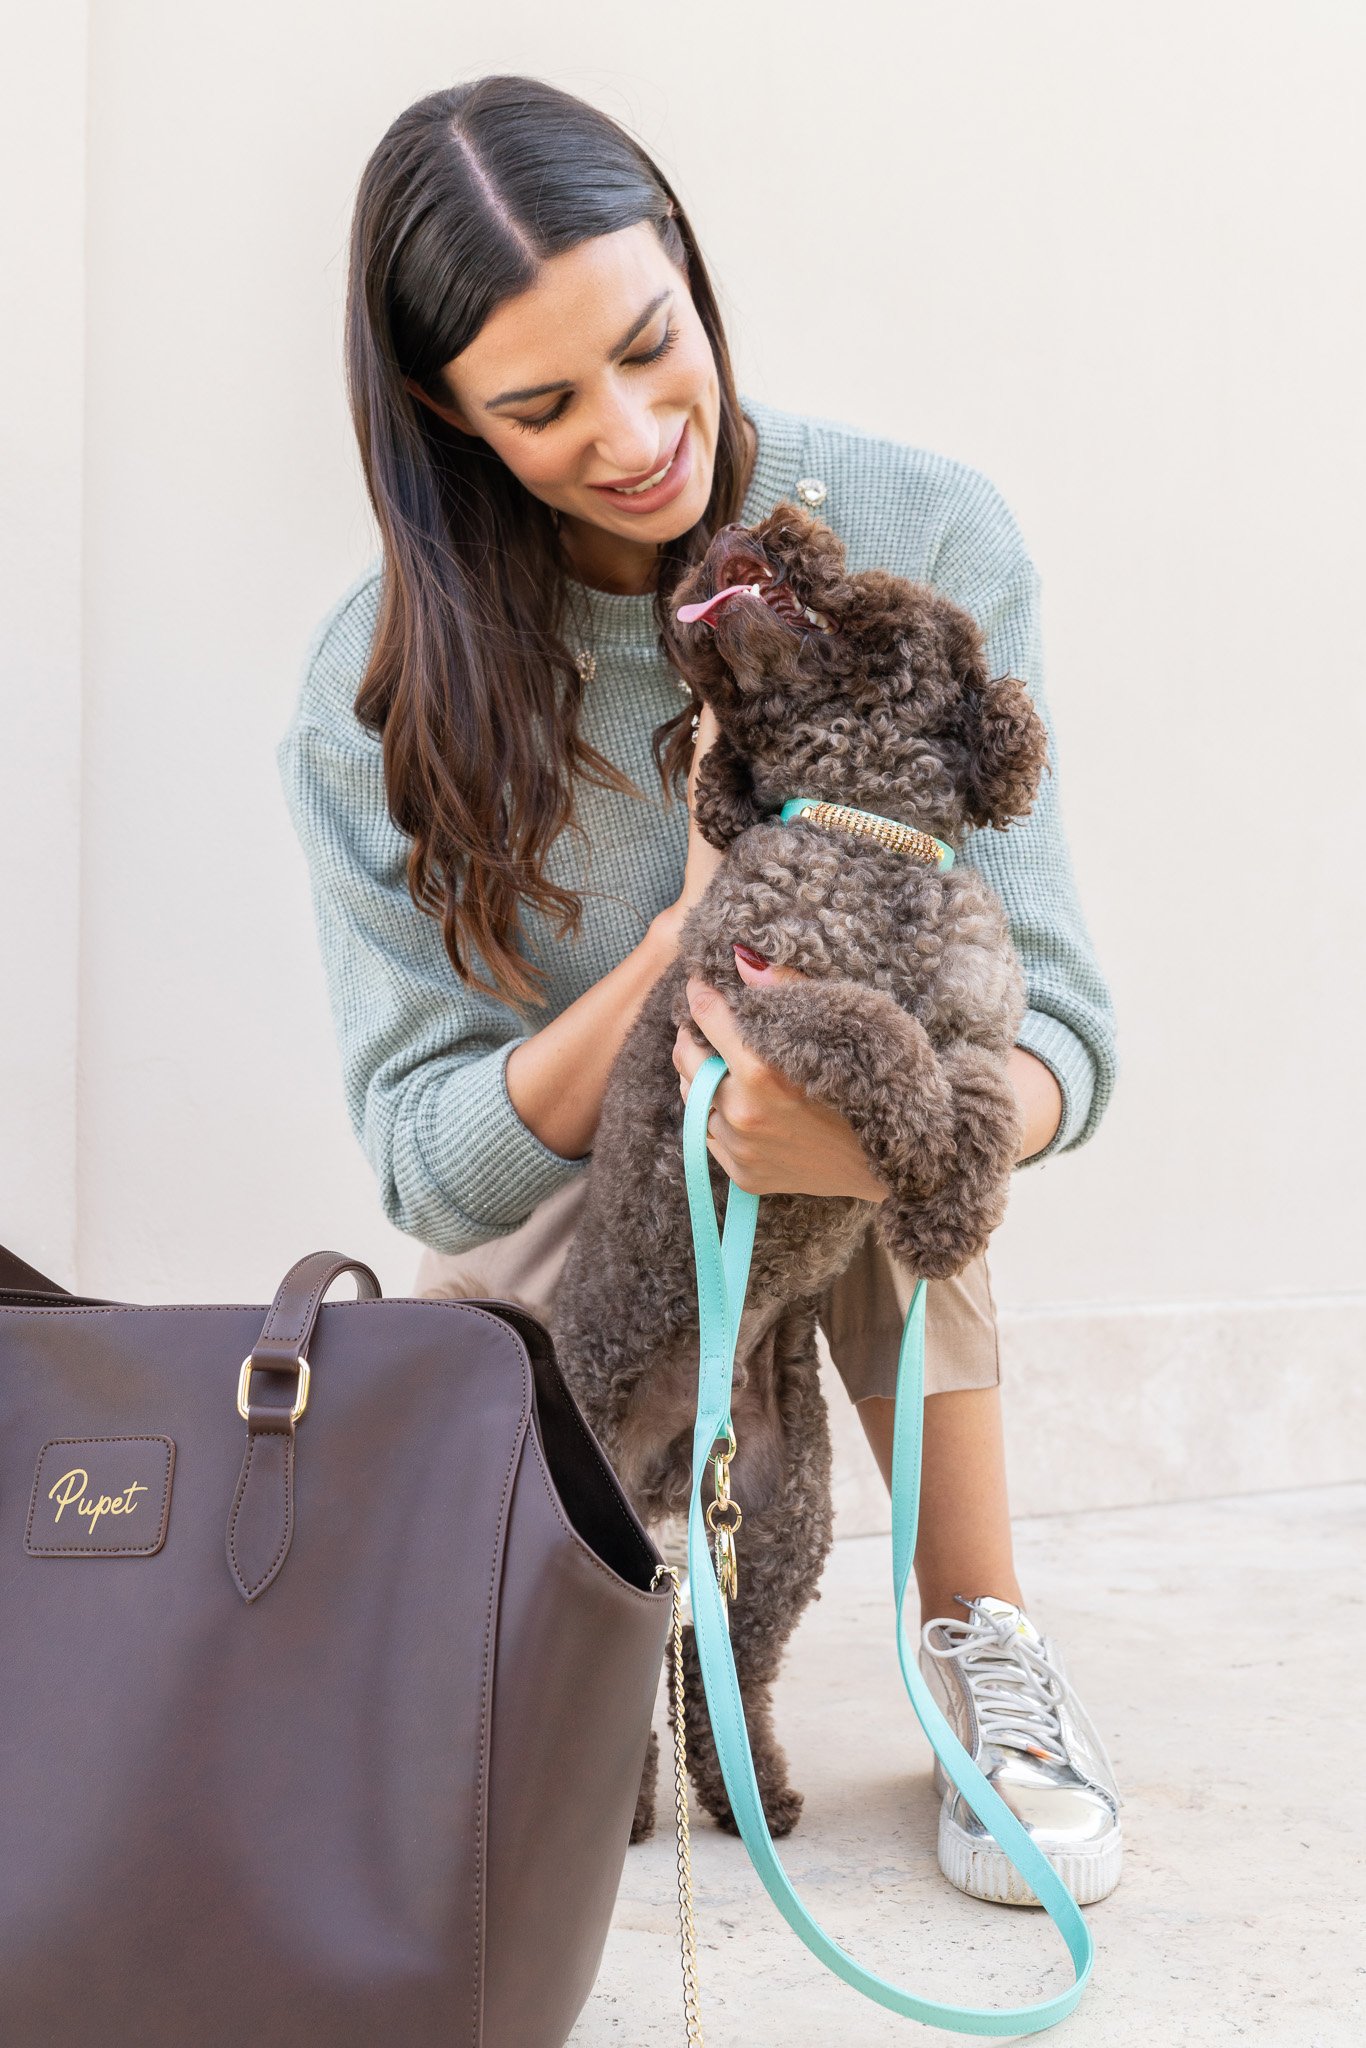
column 687, row 1930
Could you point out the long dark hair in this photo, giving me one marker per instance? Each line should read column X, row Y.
column 469, row 680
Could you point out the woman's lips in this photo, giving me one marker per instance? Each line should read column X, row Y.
column 668, row 487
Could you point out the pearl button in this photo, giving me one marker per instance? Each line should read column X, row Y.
column 811, row 491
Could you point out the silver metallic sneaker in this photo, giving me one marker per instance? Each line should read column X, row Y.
column 1003, row 1691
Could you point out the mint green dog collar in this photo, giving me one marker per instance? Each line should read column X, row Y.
column 921, row 846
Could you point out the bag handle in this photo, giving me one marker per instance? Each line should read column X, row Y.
column 289, row 1322
column 722, row 1276
column 261, row 1519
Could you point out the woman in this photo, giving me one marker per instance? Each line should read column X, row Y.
column 550, row 433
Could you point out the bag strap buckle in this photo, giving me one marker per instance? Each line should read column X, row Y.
column 276, row 1365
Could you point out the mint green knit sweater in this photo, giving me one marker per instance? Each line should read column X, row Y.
column 422, row 1055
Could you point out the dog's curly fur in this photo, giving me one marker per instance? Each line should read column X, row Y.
column 912, row 997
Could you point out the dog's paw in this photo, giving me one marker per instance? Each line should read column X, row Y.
column 936, row 1240
column 941, row 1235
column 854, row 1048
column 781, row 1802
column 782, row 1810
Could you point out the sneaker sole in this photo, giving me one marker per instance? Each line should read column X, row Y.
column 980, row 1867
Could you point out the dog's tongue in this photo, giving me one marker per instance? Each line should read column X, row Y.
column 689, row 613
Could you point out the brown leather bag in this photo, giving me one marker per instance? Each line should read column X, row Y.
column 323, row 1716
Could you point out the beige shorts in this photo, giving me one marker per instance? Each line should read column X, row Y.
column 862, row 1312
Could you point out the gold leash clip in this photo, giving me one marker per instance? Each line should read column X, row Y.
column 727, row 1562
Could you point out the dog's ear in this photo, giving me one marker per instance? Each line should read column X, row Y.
column 724, row 801
column 998, row 737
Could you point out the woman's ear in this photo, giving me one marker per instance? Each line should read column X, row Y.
column 1003, row 740
column 449, row 413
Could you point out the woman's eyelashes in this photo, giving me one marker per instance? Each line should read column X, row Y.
column 535, row 426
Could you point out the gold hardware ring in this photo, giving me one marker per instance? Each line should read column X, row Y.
column 300, row 1393
column 727, row 1563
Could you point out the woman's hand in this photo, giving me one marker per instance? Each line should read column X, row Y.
column 772, row 1138
column 769, row 1135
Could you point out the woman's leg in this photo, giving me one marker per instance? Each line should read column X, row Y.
column 963, row 1543
column 523, row 1266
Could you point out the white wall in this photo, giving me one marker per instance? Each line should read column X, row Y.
column 1103, row 256
column 42, row 233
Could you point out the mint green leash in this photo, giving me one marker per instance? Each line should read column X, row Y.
column 722, row 1277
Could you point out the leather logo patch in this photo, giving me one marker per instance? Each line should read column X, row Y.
column 101, row 1496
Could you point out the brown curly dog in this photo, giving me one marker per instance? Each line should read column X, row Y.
column 871, row 691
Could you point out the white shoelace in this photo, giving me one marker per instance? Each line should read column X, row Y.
column 1016, row 1691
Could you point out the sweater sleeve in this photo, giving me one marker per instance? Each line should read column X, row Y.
column 1070, row 1021
column 422, row 1054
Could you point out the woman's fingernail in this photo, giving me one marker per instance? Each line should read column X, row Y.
column 750, row 957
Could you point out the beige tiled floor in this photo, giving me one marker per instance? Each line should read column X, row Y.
column 1220, row 1646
